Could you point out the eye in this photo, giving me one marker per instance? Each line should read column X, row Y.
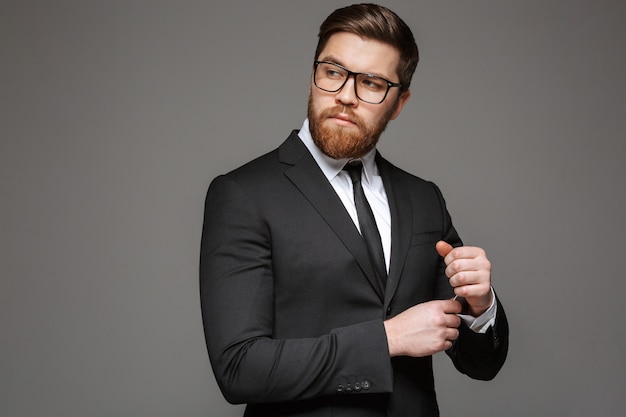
column 373, row 83
column 334, row 73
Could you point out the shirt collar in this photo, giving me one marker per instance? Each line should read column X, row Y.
column 330, row 166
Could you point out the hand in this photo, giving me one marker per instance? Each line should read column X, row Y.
column 424, row 329
column 469, row 272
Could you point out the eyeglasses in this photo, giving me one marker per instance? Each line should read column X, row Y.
column 369, row 88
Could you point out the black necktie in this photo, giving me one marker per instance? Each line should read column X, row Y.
column 367, row 223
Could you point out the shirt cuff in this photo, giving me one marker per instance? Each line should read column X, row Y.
column 483, row 322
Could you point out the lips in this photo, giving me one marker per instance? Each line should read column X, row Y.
column 341, row 116
column 343, row 119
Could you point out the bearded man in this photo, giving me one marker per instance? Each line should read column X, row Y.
column 328, row 276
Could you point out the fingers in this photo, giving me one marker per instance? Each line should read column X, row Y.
column 423, row 329
column 450, row 329
column 469, row 272
column 474, row 294
column 452, row 334
column 451, row 254
column 467, row 276
column 448, row 336
column 459, row 265
column 443, row 248
column 448, row 317
column 451, row 307
column 453, row 321
column 465, row 265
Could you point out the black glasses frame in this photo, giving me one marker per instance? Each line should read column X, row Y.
column 390, row 84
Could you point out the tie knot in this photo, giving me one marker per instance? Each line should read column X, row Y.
column 354, row 169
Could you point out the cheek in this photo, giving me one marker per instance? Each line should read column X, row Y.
column 371, row 116
column 323, row 100
column 316, row 101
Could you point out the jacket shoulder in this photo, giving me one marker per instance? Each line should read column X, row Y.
column 409, row 180
column 273, row 161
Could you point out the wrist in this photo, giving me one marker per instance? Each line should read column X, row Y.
column 476, row 312
column 476, row 308
column 390, row 332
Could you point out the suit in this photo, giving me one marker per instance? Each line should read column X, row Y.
column 292, row 311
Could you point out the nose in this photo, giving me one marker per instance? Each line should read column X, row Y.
column 347, row 95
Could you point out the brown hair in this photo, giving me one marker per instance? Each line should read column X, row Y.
column 374, row 22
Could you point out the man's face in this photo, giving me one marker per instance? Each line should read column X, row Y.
column 343, row 126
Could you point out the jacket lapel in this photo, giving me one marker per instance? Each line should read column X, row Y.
column 401, row 223
column 306, row 175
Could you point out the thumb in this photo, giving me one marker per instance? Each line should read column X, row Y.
column 443, row 248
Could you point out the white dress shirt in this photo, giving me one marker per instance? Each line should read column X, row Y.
column 377, row 198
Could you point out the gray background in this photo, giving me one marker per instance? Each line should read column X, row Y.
column 115, row 115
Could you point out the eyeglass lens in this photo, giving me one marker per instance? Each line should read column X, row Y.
column 369, row 88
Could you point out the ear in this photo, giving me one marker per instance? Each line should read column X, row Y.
column 404, row 97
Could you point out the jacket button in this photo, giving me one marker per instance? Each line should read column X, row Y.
column 357, row 386
column 339, row 388
column 348, row 387
column 365, row 384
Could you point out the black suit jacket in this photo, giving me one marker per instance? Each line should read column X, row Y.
column 293, row 314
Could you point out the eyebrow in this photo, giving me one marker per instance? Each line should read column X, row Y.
column 335, row 60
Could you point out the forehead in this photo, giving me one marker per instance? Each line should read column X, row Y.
column 362, row 54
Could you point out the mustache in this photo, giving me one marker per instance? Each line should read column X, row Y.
column 346, row 111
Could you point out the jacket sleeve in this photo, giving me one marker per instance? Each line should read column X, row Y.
column 479, row 356
column 237, row 301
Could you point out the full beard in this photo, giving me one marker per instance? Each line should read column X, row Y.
column 339, row 142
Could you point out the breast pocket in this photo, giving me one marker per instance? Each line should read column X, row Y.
column 425, row 238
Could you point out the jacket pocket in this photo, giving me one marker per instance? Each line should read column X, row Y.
column 425, row 238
